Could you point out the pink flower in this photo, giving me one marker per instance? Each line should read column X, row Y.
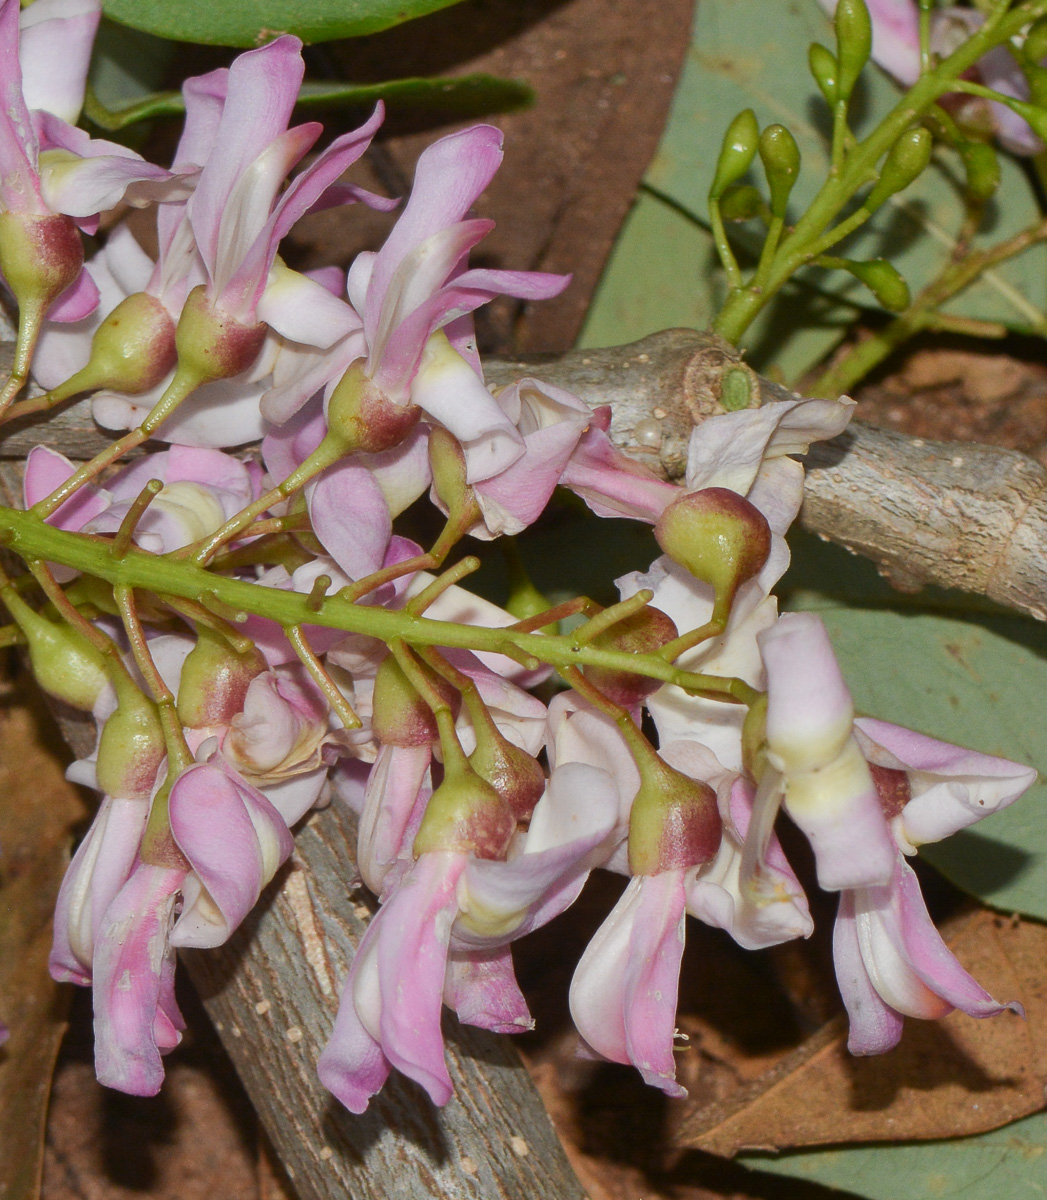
column 891, row 963
column 442, row 933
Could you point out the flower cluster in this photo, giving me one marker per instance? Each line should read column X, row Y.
column 254, row 631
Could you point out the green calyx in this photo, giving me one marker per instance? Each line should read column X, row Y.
column 465, row 815
column 674, row 821
column 717, row 535
column 214, row 680
column 131, row 746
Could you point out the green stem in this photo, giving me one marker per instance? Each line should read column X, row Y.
column 801, row 245
column 31, row 538
column 922, row 313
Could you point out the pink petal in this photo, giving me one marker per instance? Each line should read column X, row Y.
column 875, row 1027
column 412, row 961
column 57, row 31
column 449, row 177
column 357, row 546
column 482, row 989
column 132, row 979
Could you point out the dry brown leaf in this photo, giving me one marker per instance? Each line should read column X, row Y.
column 36, row 816
column 946, row 1079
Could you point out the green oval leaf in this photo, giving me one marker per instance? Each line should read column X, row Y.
column 252, row 22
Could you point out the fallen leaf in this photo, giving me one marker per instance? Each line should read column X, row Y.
column 947, row 1078
column 38, row 812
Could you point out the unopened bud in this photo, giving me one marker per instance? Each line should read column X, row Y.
column 674, row 821
column 642, row 632
column 360, row 416
column 982, row 168
column 853, row 44
column 825, row 69
column 65, row 664
column 401, row 716
column 1034, row 48
column 883, row 280
column 40, row 257
column 467, row 816
column 211, row 344
column 214, row 681
column 447, row 460
column 719, row 536
column 737, row 153
column 780, row 156
column 741, row 202
column 906, row 159
column 131, row 747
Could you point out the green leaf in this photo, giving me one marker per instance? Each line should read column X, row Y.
column 251, row 22
column 739, row 59
column 977, row 680
column 464, row 95
column 1007, row 1164
column 663, row 273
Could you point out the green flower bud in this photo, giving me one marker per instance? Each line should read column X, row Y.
column 362, row 417
column 641, row 633
column 40, row 256
column 737, row 153
column 65, row 664
column 401, row 716
column 719, row 537
column 447, row 460
column 465, row 815
column 906, row 159
column 825, row 69
column 883, row 280
column 674, row 821
column 214, row 680
column 741, row 202
column 131, row 747
column 211, row 344
column 781, row 160
column 1034, row 48
column 982, row 168
column 853, row 44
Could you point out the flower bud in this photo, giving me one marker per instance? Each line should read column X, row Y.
column 674, row 821
column 719, row 536
column 360, row 416
column 131, row 747
column 641, row 633
column 780, row 156
column 853, row 44
column 131, row 351
column 737, row 153
column 1034, row 48
column 982, row 168
column 467, row 816
column 883, row 280
column 214, row 681
column 65, row 664
column 741, row 202
column 40, row 257
column 401, row 717
column 906, row 159
column 211, row 344
column 447, row 461
column 825, row 69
